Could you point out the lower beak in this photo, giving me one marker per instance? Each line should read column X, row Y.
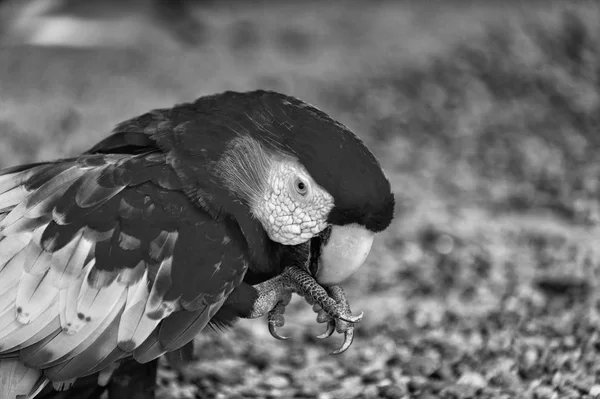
column 344, row 253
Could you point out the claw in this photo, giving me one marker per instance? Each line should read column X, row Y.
column 275, row 334
column 329, row 303
column 275, row 319
column 351, row 319
column 348, row 339
column 330, row 330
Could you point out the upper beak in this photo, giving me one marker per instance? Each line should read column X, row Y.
column 344, row 252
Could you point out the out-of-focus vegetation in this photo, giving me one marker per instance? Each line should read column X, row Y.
column 486, row 120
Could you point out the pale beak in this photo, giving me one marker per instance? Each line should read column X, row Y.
column 344, row 253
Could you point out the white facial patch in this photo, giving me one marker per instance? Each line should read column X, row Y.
column 293, row 207
column 289, row 204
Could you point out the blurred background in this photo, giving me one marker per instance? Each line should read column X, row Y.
column 485, row 117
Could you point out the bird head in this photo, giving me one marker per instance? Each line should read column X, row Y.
column 303, row 176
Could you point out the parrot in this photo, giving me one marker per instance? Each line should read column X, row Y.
column 180, row 219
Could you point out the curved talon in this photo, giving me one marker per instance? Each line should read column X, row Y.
column 351, row 319
column 330, row 330
column 276, row 319
column 348, row 339
column 275, row 334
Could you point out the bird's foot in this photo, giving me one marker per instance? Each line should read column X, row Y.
column 330, row 303
column 338, row 325
column 273, row 296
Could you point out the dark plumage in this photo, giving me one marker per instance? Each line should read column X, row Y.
column 163, row 228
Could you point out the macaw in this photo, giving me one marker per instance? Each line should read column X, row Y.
column 182, row 218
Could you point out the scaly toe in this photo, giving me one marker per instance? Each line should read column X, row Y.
column 323, row 317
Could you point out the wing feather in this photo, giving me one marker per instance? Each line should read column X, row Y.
column 104, row 257
column 93, row 303
column 91, row 352
column 15, row 334
column 26, row 224
column 10, row 275
column 35, row 294
column 7, row 299
column 181, row 327
column 17, row 380
column 41, row 201
column 135, row 324
column 64, row 346
column 12, row 245
column 37, row 261
column 68, row 262
column 157, row 307
column 69, row 320
column 150, row 349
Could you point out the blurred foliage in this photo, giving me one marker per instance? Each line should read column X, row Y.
column 517, row 107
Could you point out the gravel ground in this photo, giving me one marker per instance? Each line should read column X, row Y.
column 486, row 121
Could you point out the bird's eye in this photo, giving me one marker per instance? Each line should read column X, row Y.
column 301, row 186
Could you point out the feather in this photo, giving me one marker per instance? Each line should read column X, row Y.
column 83, row 197
column 156, row 307
column 37, row 261
column 98, row 279
column 7, row 299
column 56, row 236
column 42, row 200
column 10, row 276
column 131, row 276
column 38, row 387
column 103, row 338
column 135, row 325
column 35, row 294
column 12, row 245
column 16, row 379
column 149, row 350
column 162, row 246
column 61, row 386
column 110, row 257
column 26, row 224
column 15, row 334
column 68, row 262
column 128, row 211
column 92, row 352
column 7, row 317
column 93, row 303
column 181, row 327
column 96, row 235
column 63, row 347
column 11, row 180
column 11, row 198
column 46, row 334
column 91, row 194
column 69, row 320
column 112, row 359
column 45, row 173
column 116, row 142
column 128, row 242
